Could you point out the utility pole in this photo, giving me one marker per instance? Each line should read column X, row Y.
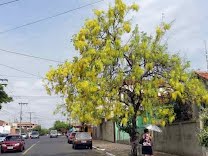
column 31, row 116
column 21, row 103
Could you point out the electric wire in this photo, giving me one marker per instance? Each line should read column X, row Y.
column 50, row 17
column 27, row 55
column 19, row 70
column 6, row 3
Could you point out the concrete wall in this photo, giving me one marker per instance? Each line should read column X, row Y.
column 180, row 139
column 108, row 131
column 105, row 131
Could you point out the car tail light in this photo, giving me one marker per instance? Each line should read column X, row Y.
column 4, row 145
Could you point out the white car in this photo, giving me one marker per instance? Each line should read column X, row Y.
column 24, row 136
column 2, row 137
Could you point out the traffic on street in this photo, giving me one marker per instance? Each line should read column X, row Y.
column 46, row 146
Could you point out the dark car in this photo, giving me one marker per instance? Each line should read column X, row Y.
column 71, row 137
column 34, row 135
column 82, row 139
column 13, row 143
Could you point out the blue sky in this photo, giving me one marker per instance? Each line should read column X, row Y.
column 51, row 39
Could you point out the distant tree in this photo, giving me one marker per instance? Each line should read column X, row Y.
column 42, row 131
column 37, row 128
column 4, row 98
column 61, row 126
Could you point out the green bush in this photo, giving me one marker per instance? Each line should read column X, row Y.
column 203, row 134
column 203, row 137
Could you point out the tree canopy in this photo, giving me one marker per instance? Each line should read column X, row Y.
column 60, row 126
column 119, row 78
column 42, row 131
column 4, row 98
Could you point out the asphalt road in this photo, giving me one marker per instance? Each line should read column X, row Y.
column 46, row 146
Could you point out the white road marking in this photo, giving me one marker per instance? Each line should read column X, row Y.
column 109, row 154
column 30, row 148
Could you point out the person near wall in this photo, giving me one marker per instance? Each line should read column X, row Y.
column 147, row 143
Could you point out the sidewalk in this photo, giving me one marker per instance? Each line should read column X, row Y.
column 115, row 149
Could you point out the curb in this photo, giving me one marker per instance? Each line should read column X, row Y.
column 102, row 149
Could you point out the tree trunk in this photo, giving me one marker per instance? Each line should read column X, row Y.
column 134, row 141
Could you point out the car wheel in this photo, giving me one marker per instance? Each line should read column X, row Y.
column 75, row 146
column 68, row 142
column 90, row 146
column 2, row 151
column 21, row 149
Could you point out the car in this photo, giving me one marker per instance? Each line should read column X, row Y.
column 67, row 134
column 2, row 137
column 82, row 139
column 13, row 143
column 71, row 137
column 24, row 135
column 53, row 134
column 34, row 135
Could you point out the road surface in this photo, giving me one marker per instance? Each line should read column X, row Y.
column 46, row 146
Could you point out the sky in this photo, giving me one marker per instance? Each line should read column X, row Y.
column 52, row 39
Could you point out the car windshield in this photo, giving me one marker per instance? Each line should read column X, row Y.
column 53, row 131
column 13, row 138
column 35, row 133
column 83, row 135
column 23, row 134
column 3, row 135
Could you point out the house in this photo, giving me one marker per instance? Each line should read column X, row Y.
column 4, row 127
column 26, row 126
column 3, row 123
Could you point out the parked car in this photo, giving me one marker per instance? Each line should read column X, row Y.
column 82, row 139
column 53, row 134
column 24, row 135
column 67, row 134
column 34, row 135
column 2, row 137
column 13, row 143
column 71, row 137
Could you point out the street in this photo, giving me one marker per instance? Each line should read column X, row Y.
column 46, row 146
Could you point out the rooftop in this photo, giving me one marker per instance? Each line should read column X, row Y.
column 203, row 75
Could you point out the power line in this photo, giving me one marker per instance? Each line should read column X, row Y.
column 5, row 3
column 49, row 17
column 27, row 55
column 30, row 115
column 20, row 70
column 17, row 76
